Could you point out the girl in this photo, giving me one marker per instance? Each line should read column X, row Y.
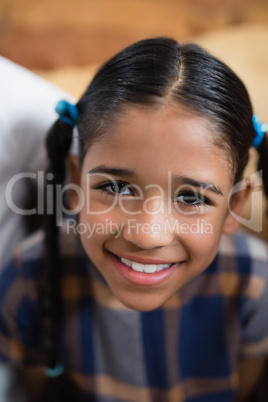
column 149, row 295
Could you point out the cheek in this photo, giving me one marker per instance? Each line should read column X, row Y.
column 95, row 228
column 99, row 226
column 205, row 232
column 101, row 222
column 204, row 245
column 201, row 244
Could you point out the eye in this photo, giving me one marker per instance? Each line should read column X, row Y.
column 191, row 198
column 116, row 188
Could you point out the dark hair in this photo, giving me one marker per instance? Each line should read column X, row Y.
column 161, row 70
column 147, row 73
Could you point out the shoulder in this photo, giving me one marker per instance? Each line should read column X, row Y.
column 31, row 248
column 28, row 256
column 20, row 276
column 242, row 262
column 244, row 247
column 20, row 310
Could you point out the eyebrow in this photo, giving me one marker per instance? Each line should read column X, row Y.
column 112, row 171
column 178, row 179
column 196, row 183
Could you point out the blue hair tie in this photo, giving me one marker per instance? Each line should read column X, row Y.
column 261, row 129
column 67, row 112
column 55, row 372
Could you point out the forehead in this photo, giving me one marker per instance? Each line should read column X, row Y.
column 165, row 137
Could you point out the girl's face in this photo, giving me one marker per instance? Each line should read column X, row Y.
column 156, row 205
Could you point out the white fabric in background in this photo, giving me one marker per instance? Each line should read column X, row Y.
column 26, row 112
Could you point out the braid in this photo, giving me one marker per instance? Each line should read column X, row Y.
column 58, row 143
column 59, row 387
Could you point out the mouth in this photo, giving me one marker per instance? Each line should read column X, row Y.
column 145, row 268
column 145, row 271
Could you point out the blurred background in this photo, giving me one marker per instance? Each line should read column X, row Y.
column 45, row 34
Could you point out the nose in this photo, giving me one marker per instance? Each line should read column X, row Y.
column 150, row 230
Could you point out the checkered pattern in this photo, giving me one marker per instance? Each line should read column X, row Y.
column 185, row 351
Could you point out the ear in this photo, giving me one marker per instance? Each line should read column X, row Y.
column 237, row 200
column 74, row 171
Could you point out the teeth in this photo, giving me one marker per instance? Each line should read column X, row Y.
column 137, row 267
column 147, row 268
column 159, row 267
column 126, row 262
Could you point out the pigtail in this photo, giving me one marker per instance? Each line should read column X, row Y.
column 58, row 386
column 263, row 161
column 260, row 143
column 58, row 144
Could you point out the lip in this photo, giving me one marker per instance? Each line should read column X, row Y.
column 141, row 278
column 143, row 260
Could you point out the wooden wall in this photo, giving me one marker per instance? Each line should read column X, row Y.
column 52, row 33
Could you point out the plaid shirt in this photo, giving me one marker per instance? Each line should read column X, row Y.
column 187, row 350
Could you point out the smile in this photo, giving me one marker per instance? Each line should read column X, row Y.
column 146, row 268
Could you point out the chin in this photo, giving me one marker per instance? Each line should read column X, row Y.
column 140, row 302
